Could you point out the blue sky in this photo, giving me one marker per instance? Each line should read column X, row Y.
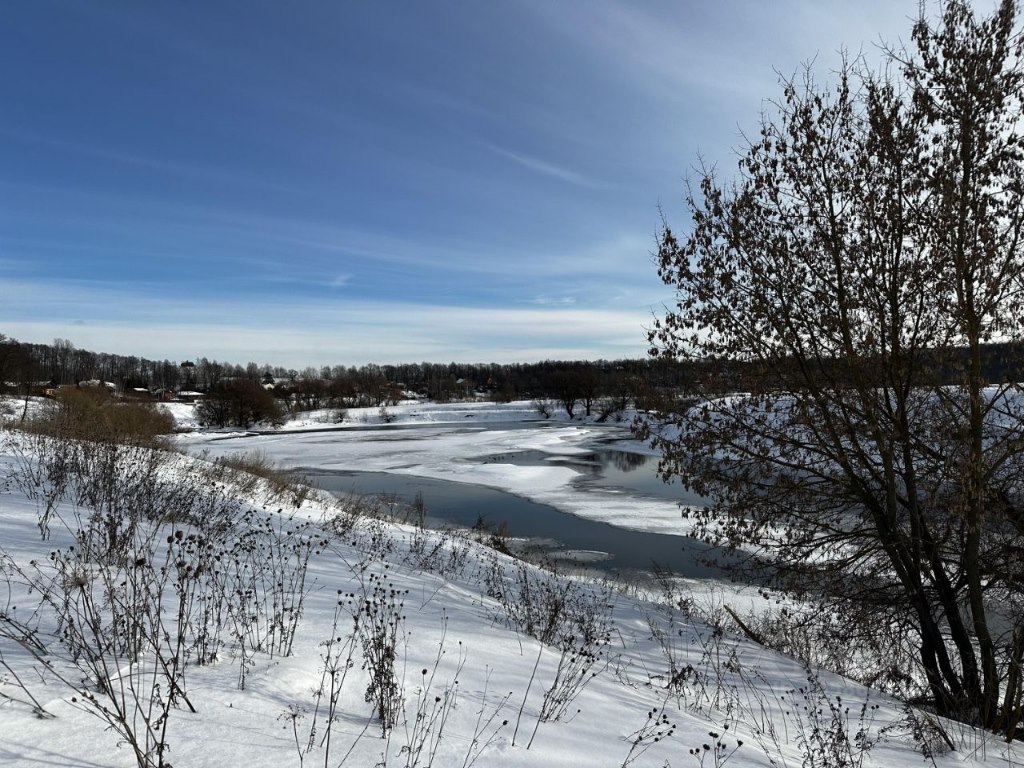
column 348, row 181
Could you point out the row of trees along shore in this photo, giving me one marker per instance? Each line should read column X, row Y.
column 661, row 381
column 24, row 365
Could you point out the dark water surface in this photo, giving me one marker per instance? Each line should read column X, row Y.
column 557, row 533
column 611, row 469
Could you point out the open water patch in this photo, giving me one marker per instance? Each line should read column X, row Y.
column 608, row 469
column 561, row 536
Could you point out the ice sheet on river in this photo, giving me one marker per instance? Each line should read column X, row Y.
column 440, row 442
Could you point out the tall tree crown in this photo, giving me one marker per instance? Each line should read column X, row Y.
column 867, row 248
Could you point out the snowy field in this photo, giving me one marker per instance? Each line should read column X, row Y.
column 480, row 660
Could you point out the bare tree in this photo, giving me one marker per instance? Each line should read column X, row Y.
column 240, row 403
column 589, row 386
column 63, row 352
column 847, row 280
column 566, row 386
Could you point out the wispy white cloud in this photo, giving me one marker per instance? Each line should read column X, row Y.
column 340, row 281
column 625, row 255
column 206, row 172
column 546, row 168
column 554, row 301
column 317, row 332
column 704, row 69
column 233, row 251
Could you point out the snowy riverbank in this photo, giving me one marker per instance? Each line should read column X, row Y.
column 616, row 681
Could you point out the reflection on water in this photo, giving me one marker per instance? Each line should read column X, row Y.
column 620, row 461
column 628, row 462
column 609, row 469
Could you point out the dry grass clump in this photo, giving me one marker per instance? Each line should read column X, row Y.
column 253, row 473
column 80, row 414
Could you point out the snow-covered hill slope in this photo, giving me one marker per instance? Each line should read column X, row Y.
column 329, row 619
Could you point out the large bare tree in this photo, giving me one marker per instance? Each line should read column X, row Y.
column 844, row 284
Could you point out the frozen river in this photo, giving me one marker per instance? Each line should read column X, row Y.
column 585, row 491
column 536, row 528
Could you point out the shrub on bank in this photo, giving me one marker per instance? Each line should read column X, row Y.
column 81, row 414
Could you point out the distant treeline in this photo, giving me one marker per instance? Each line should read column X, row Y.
column 24, row 365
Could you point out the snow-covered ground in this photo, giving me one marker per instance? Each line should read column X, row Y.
column 472, row 676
